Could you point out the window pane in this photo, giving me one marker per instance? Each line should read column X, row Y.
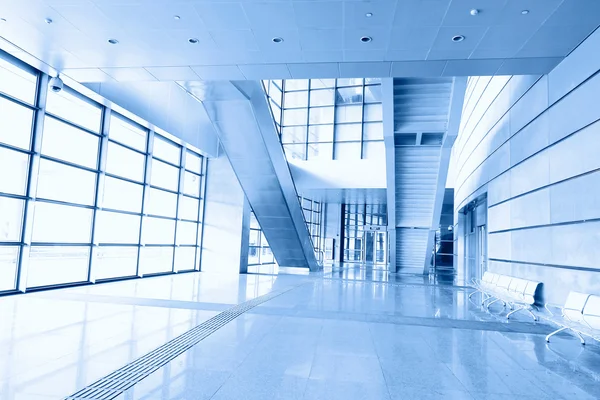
column 296, row 84
column 191, row 184
column 348, row 132
column 193, row 162
column 64, row 183
column 373, row 94
column 350, row 82
column 122, row 195
column 370, row 81
column 112, row 227
column 253, row 253
column 55, row 223
column 374, row 150
column 158, row 231
column 293, row 134
column 18, row 165
column 349, row 95
column 159, row 202
column 185, row 258
column 254, row 237
column 295, row 116
column 323, row 151
column 11, row 219
column 15, row 123
column 17, row 82
column 73, row 108
column 321, row 115
column 127, row 133
column 115, row 262
column 9, row 256
column 156, row 259
column 347, row 151
column 68, row 143
column 322, row 83
column 320, row 133
column 295, row 99
column 373, row 112
column 253, row 221
column 324, row 97
column 164, row 175
column 124, row 162
column 373, row 131
column 295, row 151
column 57, row 264
column 266, row 256
column 166, row 150
column 186, row 232
column 189, row 208
column 348, row 114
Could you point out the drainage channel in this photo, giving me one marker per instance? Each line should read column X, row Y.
column 122, row 379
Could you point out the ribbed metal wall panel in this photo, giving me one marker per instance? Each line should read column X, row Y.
column 411, row 246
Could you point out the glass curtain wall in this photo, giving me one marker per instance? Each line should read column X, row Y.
column 260, row 256
column 331, row 119
column 313, row 217
column 86, row 194
column 356, row 217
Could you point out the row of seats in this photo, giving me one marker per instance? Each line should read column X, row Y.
column 519, row 294
column 580, row 313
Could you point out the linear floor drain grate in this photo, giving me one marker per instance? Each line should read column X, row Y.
column 122, row 379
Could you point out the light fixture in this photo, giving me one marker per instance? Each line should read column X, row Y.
column 458, row 38
column 48, row 21
column 277, row 39
column 368, row 15
column 366, row 39
column 193, row 40
column 2, row 19
column 525, row 12
column 474, row 11
column 113, row 41
column 176, row 17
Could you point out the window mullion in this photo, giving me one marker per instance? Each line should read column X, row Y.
column 32, row 179
column 145, row 192
column 100, row 176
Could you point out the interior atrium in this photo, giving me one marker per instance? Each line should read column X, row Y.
column 333, row 199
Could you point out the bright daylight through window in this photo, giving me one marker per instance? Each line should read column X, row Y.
column 90, row 195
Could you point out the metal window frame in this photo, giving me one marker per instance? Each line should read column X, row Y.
column 30, row 197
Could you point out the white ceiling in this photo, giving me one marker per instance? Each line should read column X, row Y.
column 321, row 38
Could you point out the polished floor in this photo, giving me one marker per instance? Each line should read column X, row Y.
column 348, row 333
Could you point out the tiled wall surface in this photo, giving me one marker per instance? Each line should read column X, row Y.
column 532, row 143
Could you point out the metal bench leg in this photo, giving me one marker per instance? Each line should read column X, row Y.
column 535, row 318
column 555, row 332
column 485, row 298
column 492, row 302
column 581, row 339
column 477, row 291
column 514, row 311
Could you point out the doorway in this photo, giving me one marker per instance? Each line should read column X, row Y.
column 375, row 247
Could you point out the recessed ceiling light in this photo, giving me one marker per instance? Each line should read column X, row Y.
column 113, row 41
column 458, row 38
column 474, row 11
column 368, row 15
column 525, row 12
column 48, row 21
column 277, row 39
column 366, row 39
column 2, row 19
column 176, row 17
column 193, row 40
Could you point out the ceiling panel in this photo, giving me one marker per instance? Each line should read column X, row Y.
column 173, row 73
column 308, row 70
column 418, row 68
column 321, row 39
column 222, row 15
column 216, row 73
column 129, row 74
column 327, row 31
